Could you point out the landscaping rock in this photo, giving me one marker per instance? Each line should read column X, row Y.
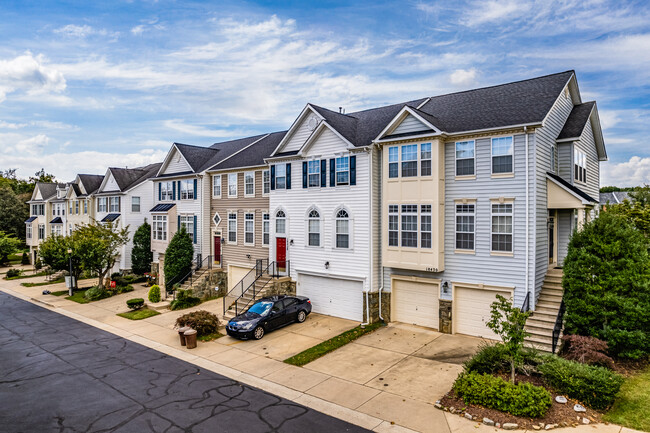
column 536, row 427
column 579, row 408
column 438, row 402
column 498, row 425
column 437, row 406
column 585, row 420
column 468, row 416
column 510, row 426
column 452, row 410
column 548, row 426
column 561, row 399
column 488, row 421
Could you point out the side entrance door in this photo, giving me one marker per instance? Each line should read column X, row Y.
column 281, row 253
column 217, row 250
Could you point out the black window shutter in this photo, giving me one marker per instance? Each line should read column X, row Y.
column 323, row 173
column 178, row 188
column 304, row 174
column 272, row 177
column 353, row 170
column 159, row 191
column 289, row 175
column 179, row 223
column 194, row 234
column 333, row 172
column 195, row 188
column 174, row 190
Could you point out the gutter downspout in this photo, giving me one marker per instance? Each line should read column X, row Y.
column 381, row 289
column 370, row 253
column 527, row 221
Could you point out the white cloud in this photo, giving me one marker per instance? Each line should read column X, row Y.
column 137, row 30
column 201, row 131
column 483, row 12
column 29, row 74
column 33, row 145
column 463, row 77
column 635, row 171
column 76, row 31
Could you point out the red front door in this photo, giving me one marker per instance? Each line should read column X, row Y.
column 281, row 253
column 217, row 250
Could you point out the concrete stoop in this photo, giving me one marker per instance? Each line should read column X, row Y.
column 541, row 323
column 262, row 289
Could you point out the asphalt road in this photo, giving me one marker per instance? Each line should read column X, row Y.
column 58, row 374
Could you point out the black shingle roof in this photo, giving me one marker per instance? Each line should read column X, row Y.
column 163, row 207
column 110, row 217
column 47, row 189
column 253, row 155
column 127, row 178
column 91, row 182
column 577, row 120
column 573, row 188
column 57, row 220
column 30, row 219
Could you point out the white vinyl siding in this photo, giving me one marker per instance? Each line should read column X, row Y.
column 410, row 124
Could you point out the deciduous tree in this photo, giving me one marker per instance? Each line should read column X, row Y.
column 99, row 246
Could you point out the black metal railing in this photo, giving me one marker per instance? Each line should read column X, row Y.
column 252, row 283
column 197, row 269
column 557, row 329
column 526, row 305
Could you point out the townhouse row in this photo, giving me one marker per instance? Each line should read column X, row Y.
column 420, row 212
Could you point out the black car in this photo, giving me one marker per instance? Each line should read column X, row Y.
column 268, row 314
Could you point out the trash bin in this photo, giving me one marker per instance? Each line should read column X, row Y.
column 190, row 338
column 181, row 334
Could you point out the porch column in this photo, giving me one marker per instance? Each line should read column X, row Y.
column 581, row 218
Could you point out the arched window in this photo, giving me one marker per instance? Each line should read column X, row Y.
column 313, row 226
column 280, row 223
column 342, row 229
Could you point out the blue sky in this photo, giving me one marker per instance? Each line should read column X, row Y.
column 85, row 85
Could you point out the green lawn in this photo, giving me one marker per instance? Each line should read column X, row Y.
column 38, row 274
column 59, row 293
column 632, row 406
column 78, row 296
column 309, row 355
column 57, row 281
column 140, row 314
column 210, row 337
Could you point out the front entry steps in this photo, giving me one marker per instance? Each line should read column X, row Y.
column 541, row 323
column 262, row 289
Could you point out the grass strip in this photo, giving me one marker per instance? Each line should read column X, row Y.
column 59, row 293
column 38, row 274
column 313, row 353
column 632, row 406
column 78, row 296
column 57, row 281
column 210, row 337
column 140, row 314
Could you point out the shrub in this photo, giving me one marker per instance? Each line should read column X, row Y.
column 25, row 259
column 204, row 322
column 141, row 254
column 490, row 391
column 607, row 285
column 38, row 265
column 184, row 299
column 135, row 303
column 96, row 293
column 178, row 257
column 154, row 293
column 594, row 386
column 124, row 289
column 586, row 350
column 11, row 273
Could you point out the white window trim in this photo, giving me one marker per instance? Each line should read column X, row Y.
column 320, row 227
column 214, row 177
column 430, row 214
column 267, row 232
column 388, row 225
column 336, row 173
column 139, row 204
column 284, row 167
column 268, row 172
column 275, row 223
column 228, row 228
column 456, row 159
column 503, row 201
column 416, row 160
column 318, row 173
column 158, row 219
column 187, row 219
column 189, row 184
column 395, row 162
column 417, row 225
column 236, row 181
column 510, row 173
column 350, row 220
column 249, row 173
column 456, row 214
column 245, row 231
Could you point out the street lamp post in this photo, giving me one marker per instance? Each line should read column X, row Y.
column 71, row 277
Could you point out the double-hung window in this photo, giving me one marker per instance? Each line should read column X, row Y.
column 343, row 170
column 232, row 228
column 187, row 189
column 71, row 204
column 425, row 226
column 85, row 207
column 313, row 171
column 266, row 227
column 41, row 231
column 216, row 186
column 232, row 185
column 393, row 162
column 29, row 231
column 76, row 207
column 409, row 225
column 166, row 191
column 187, row 221
column 465, row 162
column 159, row 228
column 393, row 225
column 425, row 159
column 410, row 160
column 502, row 153
column 135, row 204
column 266, row 182
column 113, row 204
column 249, row 184
column 579, row 166
column 280, row 176
column 465, row 214
column 249, row 228
column 101, row 204
column 313, row 228
column 502, row 227
column 342, row 229
column 280, row 223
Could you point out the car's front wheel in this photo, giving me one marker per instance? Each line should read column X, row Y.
column 301, row 316
column 258, row 333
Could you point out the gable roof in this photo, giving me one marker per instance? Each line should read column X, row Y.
column 91, row 182
column 47, row 189
column 614, row 197
column 577, row 121
column 254, row 154
column 571, row 188
column 127, row 178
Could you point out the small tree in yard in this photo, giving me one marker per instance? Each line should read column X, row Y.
column 508, row 323
column 53, row 252
column 98, row 247
column 607, row 285
column 636, row 210
column 141, row 254
column 8, row 245
column 178, row 257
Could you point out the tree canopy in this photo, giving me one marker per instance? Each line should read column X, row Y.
column 98, row 246
column 8, row 245
column 141, row 255
column 178, row 257
column 53, row 252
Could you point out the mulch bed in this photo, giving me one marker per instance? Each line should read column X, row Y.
column 561, row 414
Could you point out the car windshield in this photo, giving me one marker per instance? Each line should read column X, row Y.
column 261, row 308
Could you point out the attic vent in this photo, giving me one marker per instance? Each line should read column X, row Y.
column 312, row 123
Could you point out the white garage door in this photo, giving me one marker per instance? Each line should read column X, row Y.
column 236, row 273
column 333, row 296
column 472, row 311
column 415, row 302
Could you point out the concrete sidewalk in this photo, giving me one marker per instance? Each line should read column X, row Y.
column 376, row 382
